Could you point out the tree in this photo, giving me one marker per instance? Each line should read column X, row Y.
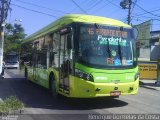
column 14, row 34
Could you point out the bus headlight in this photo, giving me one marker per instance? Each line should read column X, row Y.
column 136, row 76
column 83, row 75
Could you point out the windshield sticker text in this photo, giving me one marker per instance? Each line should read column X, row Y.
column 111, row 40
column 117, row 62
column 113, row 53
column 110, row 60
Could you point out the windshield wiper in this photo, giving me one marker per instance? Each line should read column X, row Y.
column 108, row 49
column 119, row 46
column 119, row 51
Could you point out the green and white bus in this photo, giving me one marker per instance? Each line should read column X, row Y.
column 83, row 56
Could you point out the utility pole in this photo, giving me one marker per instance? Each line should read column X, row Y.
column 126, row 4
column 129, row 12
column 3, row 15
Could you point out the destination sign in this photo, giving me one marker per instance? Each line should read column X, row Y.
column 107, row 32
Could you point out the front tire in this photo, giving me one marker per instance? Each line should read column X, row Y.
column 52, row 85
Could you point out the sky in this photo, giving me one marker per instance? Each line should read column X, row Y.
column 36, row 14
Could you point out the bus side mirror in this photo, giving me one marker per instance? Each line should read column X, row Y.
column 136, row 32
column 69, row 41
column 138, row 45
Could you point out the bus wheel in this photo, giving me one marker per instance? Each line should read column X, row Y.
column 53, row 85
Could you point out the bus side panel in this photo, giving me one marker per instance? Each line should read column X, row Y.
column 40, row 77
column 43, row 76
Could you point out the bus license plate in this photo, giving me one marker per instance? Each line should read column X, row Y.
column 115, row 93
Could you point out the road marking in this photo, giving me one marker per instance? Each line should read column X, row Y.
column 13, row 74
column 148, row 93
column 153, row 94
column 6, row 75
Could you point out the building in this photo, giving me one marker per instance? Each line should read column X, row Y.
column 154, row 45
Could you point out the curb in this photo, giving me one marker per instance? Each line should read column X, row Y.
column 149, row 87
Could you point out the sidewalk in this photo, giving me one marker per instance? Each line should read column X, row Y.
column 150, row 84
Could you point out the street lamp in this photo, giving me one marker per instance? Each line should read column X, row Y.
column 14, row 21
column 9, row 25
column 126, row 4
column 19, row 20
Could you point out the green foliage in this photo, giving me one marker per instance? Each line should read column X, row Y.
column 14, row 34
column 3, row 108
column 10, row 104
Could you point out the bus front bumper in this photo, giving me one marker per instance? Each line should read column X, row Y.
column 80, row 88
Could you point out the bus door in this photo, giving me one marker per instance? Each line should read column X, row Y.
column 35, row 63
column 64, row 63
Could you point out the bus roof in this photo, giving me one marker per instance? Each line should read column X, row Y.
column 70, row 18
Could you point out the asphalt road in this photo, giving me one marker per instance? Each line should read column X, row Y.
column 41, row 105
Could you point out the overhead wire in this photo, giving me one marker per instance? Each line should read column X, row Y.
column 42, row 6
column 10, row 11
column 147, row 11
column 86, row 3
column 113, row 3
column 102, row 6
column 79, row 7
column 95, row 4
column 89, row 2
column 134, row 3
column 50, row 15
column 139, row 17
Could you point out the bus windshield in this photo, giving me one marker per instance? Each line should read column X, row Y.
column 11, row 59
column 106, row 46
